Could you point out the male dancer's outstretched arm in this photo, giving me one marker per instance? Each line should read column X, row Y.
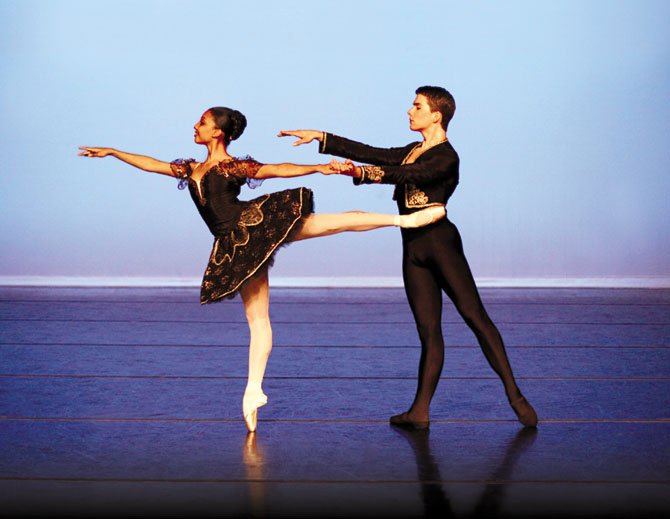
column 332, row 144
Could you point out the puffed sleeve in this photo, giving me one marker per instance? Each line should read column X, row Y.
column 244, row 168
column 348, row 149
column 181, row 169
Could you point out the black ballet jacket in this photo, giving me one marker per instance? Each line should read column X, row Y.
column 247, row 234
column 429, row 180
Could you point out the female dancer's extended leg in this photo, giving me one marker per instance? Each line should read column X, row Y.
column 316, row 225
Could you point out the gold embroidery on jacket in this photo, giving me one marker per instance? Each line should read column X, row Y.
column 414, row 197
column 373, row 174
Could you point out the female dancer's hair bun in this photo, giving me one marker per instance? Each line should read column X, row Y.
column 239, row 123
column 231, row 122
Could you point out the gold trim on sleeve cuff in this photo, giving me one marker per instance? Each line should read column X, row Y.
column 373, row 174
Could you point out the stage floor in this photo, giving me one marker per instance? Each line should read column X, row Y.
column 127, row 402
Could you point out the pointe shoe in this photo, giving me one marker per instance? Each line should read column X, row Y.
column 404, row 422
column 524, row 412
column 423, row 217
column 250, row 405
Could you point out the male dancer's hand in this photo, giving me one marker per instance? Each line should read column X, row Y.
column 304, row 136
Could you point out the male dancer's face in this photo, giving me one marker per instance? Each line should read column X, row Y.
column 420, row 116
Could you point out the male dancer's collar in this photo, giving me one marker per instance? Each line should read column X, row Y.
column 432, row 145
column 418, row 146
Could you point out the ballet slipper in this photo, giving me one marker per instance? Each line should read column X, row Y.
column 524, row 412
column 403, row 421
column 250, row 404
column 423, row 217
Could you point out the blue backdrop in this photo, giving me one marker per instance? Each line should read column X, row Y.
column 561, row 123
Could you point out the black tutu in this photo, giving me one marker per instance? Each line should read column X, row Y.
column 265, row 224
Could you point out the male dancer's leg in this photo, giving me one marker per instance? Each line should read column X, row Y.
column 425, row 299
column 455, row 277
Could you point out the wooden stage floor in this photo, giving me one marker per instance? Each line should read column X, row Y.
column 127, row 403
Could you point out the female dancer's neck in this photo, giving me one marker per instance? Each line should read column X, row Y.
column 217, row 151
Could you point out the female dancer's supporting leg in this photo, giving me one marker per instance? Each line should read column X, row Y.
column 256, row 292
column 256, row 298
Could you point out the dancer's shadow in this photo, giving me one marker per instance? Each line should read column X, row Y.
column 435, row 500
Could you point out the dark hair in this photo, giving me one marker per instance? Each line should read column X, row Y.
column 231, row 122
column 439, row 100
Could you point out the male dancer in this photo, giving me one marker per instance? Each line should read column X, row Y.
column 425, row 174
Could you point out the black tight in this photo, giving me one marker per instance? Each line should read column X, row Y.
column 433, row 261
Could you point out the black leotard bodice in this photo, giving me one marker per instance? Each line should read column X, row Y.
column 216, row 195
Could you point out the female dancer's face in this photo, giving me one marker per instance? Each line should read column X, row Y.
column 420, row 116
column 206, row 130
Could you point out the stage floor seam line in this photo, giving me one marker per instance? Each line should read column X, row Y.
column 653, row 421
column 311, row 303
column 298, row 377
column 344, row 346
column 317, row 323
column 349, row 481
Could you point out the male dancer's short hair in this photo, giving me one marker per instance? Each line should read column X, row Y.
column 439, row 100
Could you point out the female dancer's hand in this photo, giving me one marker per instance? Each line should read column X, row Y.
column 304, row 136
column 94, row 152
column 329, row 169
column 344, row 168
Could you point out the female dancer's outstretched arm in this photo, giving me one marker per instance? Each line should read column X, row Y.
column 283, row 170
column 139, row 161
column 288, row 170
